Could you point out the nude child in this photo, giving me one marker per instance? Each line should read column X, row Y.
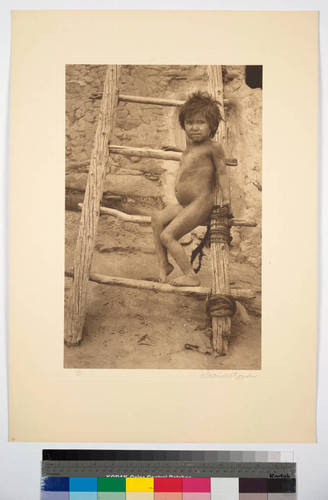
column 201, row 170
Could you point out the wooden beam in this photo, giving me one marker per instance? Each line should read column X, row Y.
column 221, row 326
column 242, row 222
column 146, row 219
column 150, row 100
column 140, row 219
column 188, row 291
column 154, row 286
column 147, row 100
column 154, row 153
column 145, row 152
column 156, row 100
column 76, row 307
column 215, row 88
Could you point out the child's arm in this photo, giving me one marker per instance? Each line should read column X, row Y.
column 222, row 179
column 172, row 148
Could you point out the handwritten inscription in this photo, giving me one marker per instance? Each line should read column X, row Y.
column 229, row 376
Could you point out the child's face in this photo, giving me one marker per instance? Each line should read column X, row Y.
column 197, row 128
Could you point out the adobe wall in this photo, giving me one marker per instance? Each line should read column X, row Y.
column 138, row 185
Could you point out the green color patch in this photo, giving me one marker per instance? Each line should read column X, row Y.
column 111, row 484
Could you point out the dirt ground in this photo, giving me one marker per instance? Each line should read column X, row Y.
column 129, row 328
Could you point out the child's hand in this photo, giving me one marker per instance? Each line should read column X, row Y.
column 227, row 204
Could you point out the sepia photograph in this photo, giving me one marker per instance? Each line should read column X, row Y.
column 161, row 199
column 163, row 204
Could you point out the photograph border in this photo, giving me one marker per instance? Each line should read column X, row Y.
column 146, row 405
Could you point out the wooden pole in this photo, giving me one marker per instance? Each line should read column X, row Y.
column 156, row 100
column 146, row 219
column 215, row 88
column 144, row 152
column 154, row 153
column 221, row 326
column 150, row 100
column 76, row 307
column 154, row 286
column 138, row 219
column 147, row 100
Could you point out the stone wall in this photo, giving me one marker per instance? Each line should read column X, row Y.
column 244, row 141
column 138, row 185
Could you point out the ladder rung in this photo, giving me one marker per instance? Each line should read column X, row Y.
column 139, row 219
column 144, row 152
column 146, row 219
column 148, row 100
column 189, row 291
column 242, row 222
column 155, row 153
column 156, row 100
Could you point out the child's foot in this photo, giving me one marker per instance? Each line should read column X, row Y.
column 185, row 280
column 165, row 271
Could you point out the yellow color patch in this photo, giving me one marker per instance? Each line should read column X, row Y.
column 140, row 484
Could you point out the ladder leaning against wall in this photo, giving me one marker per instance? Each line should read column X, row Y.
column 221, row 304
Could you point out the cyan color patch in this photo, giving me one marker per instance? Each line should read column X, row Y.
column 83, row 484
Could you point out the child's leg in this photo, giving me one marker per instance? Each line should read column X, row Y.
column 159, row 221
column 185, row 221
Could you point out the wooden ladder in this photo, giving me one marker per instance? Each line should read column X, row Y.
column 77, row 302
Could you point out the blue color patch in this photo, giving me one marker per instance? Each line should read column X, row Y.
column 55, row 484
column 83, row 484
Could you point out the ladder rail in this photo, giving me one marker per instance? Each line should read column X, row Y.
column 76, row 309
column 77, row 302
column 221, row 326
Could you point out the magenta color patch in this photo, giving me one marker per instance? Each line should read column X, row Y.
column 196, row 484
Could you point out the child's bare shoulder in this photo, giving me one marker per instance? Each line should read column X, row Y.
column 217, row 149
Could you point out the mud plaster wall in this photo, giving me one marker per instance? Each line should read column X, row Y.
column 139, row 185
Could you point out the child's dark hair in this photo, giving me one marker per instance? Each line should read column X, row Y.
column 201, row 102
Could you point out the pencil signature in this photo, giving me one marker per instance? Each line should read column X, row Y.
column 229, row 376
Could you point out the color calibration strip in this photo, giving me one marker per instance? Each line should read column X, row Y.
column 170, row 455
column 123, row 468
column 150, row 488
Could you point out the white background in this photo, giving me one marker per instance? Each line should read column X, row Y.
column 20, row 462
